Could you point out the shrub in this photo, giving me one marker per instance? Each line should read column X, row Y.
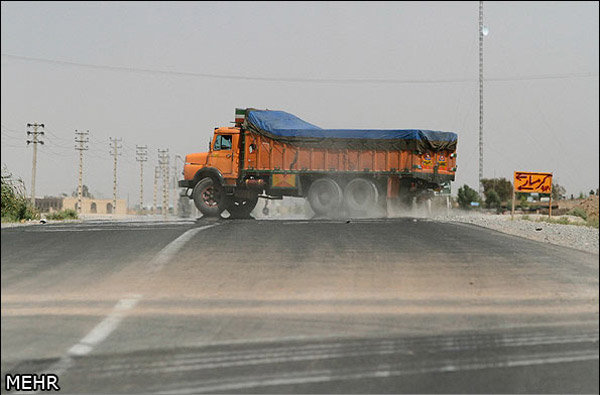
column 466, row 195
column 492, row 199
column 578, row 212
column 561, row 220
column 15, row 206
column 523, row 203
column 501, row 186
column 558, row 191
column 61, row 215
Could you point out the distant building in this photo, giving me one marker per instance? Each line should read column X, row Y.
column 49, row 204
column 88, row 205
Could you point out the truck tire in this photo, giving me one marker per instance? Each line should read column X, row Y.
column 325, row 196
column 209, row 197
column 241, row 208
column 361, row 196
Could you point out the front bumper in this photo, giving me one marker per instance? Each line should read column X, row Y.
column 185, row 183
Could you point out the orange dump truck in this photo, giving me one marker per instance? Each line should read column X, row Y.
column 271, row 154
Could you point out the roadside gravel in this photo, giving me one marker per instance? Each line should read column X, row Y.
column 579, row 237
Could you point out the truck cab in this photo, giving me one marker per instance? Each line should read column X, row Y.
column 223, row 157
column 212, row 176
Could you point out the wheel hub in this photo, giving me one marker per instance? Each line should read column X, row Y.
column 208, row 196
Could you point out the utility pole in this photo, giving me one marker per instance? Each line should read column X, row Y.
column 141, row 152
column 175, row 192
column 35, row 142
column 163, row 161
column 481, row 27
column 115, row 146
column 156, row 177
column 178, row 197
column 81, row 138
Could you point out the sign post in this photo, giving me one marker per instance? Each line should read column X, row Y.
column 529, row 182
column 512, row 211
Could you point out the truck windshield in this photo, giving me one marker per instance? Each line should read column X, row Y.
column 223, row 142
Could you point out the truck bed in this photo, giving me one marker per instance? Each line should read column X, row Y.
column 278, row 141
column 263, row 153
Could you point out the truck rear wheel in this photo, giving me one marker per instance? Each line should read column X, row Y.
column 241, row 208
column 325, row 196
column 361, row 196
column 209, row 197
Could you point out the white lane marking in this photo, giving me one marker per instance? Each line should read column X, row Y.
column 166, row 253
column 105, row 327
column 96, row 335
column 101, row 331
column 385, row 370
column 100, row 226
column 96, row 229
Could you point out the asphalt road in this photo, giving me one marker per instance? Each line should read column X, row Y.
column 376, row 306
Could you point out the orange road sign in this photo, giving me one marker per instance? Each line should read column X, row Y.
column 526, row 181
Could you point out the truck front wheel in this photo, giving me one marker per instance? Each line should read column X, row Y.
column 209, row 197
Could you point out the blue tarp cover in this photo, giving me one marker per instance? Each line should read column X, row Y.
column 288, row 126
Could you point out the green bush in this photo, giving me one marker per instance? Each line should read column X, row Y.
column 15, row 206
column 592, row 221
column 561, row 220
column 466, row 195
column 523, row 203
column 501, row 186
column 492, row 200
column 578, row 212
column 61, row 215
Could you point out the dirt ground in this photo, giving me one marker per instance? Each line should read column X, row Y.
column 590, row 205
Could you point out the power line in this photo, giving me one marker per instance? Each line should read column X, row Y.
column 296, row 79
column 11, row 129
column 12, row 138
column 14, row 146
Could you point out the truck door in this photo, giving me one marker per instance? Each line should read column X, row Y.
column 222, row 155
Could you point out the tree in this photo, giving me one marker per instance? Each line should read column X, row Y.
column 492, row 200
column 558, row 192
column 501, row 186
column 523, row 201
column 14, row 204
column 85, row 192
column 466, row 195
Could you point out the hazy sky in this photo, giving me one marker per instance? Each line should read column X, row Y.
column 531, row 123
